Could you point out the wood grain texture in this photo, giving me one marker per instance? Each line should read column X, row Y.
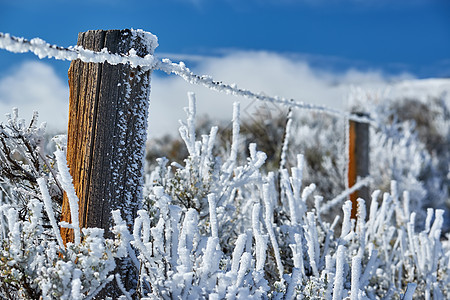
column 107, row 131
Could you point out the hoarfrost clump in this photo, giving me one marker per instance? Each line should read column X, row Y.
column 217, row 228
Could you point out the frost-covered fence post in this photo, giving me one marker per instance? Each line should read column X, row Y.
column 108, row 129
column 358, row 161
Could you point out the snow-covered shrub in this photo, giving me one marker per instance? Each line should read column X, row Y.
column 203, row 174
column 318, row 137
column 222, row 227
column 410, row 147
column 23, row 160
column 34, row 263
column 189, row 251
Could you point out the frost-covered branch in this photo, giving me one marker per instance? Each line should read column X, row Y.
column 342, row 196
column 66, row 182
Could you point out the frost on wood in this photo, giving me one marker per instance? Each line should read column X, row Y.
column 108, row 128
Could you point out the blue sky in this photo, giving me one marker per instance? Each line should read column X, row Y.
column 311, row 50
column 409, row 35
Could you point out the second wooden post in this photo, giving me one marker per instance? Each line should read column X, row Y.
column 358, row 161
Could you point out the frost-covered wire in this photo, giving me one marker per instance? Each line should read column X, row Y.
column 43, row 49
column 184, row 72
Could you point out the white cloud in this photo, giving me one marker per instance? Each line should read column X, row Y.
column 259, row 71
column 34, row 86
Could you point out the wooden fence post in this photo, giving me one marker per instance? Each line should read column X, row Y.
column 358, row 160
column 107, row 129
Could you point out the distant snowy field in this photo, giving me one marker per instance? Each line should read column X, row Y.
column 34, row 85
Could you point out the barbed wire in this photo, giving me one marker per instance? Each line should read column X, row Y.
column 43, row 49
column 181, row 70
